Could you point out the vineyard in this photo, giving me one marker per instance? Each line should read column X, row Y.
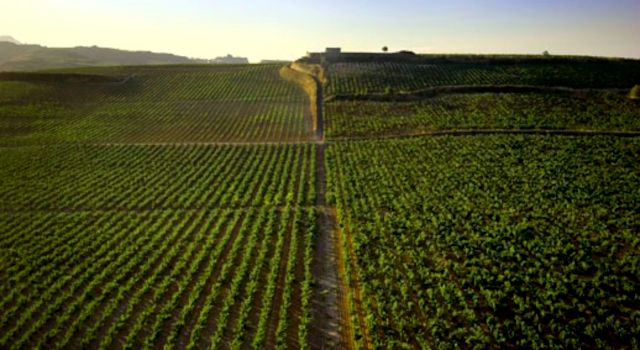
column 156, row 105
column 138, row 178
column 591, row 111
column 224, row 207
column 500, row 242
column 152, row 246
column 360, row 78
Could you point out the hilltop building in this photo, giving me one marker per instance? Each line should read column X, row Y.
column 332, row 53
column 329, row 54
column 229, row 59
column 335, row 54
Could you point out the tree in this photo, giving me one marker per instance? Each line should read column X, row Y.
column 385, row 49
column 546, row 53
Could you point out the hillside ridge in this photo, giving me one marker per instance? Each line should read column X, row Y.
column 22, row 57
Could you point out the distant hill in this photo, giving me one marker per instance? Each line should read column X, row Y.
column 10, row 39
column 15, row 57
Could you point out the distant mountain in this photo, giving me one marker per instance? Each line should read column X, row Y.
column 14, row 57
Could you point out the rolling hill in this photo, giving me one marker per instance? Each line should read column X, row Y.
column 15, row 57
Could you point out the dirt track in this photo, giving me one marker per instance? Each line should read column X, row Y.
column 330, row 326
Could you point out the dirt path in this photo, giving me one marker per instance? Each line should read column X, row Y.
column 330, row 326
column 319, row 110
column 330, row 321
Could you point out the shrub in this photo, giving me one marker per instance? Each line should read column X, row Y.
column 635, row 93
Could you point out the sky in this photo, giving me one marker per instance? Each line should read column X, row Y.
column 287, row 29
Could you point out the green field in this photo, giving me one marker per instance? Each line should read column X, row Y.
column 500, row 241
column 589, row 111
column 197, row 207
column 371, row 77
column 141, row 177
column 143, row 245
column 180, row 104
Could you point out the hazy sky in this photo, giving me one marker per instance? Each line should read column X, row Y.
column 269, row 29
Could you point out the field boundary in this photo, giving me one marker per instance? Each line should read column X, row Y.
column 466, row 89
column 175, row 144
column 444, row 132
column 38, row 77
column 472, row 132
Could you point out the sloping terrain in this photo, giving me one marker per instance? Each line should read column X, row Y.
column 16, row 57
column 434, row 94
column 361, row 78
column 175, row 104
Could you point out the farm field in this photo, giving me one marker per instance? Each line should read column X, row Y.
column 198, row 207
column 589, row 111
column 361, row 78
column 138, row 178
column 169, row 104
column 499, row 242
column 152, row 246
